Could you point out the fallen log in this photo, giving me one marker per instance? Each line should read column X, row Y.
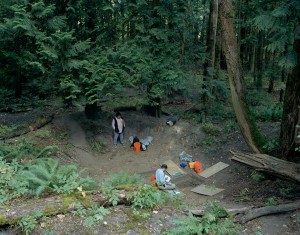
column 267, row 210
column 55, row 205
column 32, row 127
column 269, row 164
column 233, row 211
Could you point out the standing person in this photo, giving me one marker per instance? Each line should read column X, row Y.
column 118, row 124
column 161, row 181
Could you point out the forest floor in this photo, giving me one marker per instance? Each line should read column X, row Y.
column 88, row 143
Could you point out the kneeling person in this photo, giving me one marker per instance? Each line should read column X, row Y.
column 161, row 181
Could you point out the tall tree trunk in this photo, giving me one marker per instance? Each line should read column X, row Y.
column 213, row 22
column 281, row 89
column 229, row 46
column 290, row 113
column 211, row 46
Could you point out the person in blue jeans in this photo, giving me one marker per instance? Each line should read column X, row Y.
column 118, row 124
column 161, row 181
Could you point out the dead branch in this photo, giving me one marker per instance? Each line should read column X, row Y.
column 267, row 210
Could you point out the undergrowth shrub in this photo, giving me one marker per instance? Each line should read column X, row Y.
column 5, row 129
column 123, row 178
column 215, row 221
column 210, row 129
column 231, row 126
column 28, row 223
column 45, row 174
column 195, row 117
column 23, row 148
column 147, row 196
column 11, row 185
column 91, row 215
column 269, row 112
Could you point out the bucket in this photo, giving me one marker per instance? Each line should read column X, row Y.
column 192, row 165
column 137, row 147
column 198, row 167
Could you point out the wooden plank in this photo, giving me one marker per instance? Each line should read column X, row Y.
column 207, row 190
column 213, row 169
column 173, row 169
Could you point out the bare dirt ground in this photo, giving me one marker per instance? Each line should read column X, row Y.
column 239, row 188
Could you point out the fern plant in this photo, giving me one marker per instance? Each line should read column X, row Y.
column 11, row 185
column 212, row 223
column 45, row 174
column 147, row 196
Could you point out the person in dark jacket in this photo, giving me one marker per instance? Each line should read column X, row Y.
column 118, row 124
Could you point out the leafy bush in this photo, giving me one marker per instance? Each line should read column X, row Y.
column 231, row 126
column 257, row 176
column 92, row 215
column 11, row 185
column 268, row 113
column 147, row 196
column 22, row 148
column 46, row 175
column 212, row 223
column 271, row 144
column 193, row 116
column 271, row 202
column 123, row 178
column 211, row 129
column 28, row 223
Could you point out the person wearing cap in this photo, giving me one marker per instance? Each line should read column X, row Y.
column 161, row 180
column 118, row 124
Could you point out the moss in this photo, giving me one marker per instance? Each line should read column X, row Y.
column 68, row 199
column 4, row 220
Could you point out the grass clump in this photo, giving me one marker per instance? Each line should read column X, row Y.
column 210, row 129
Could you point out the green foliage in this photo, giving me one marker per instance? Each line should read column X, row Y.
column 147, row 196
column 92, row 215
column 11, row 185
column 97, row 145
column 123, row 178
column 4, row 130
column 45, row 174
column 231, row 126
column 28, row 223
column 257, row 176
column 193, row 116
column 112, row 195
column 24, row 149
column 209, row 141
column 210, row 129
column 298, row 217
column 281, row 32
column 271, row 144
column 271, row 202
column 286, row 192
column 212, row 222
column 268, row 113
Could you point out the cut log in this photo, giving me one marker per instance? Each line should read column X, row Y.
column 32, row 127
column 269, row 164
column 268, row 210
column 54, row 205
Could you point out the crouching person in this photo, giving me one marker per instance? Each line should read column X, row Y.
column 161, row 181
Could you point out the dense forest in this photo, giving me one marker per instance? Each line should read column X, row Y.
column 95, row 49
column 229, row 59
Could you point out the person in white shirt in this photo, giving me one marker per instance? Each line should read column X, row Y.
column 118, row 124
column 161, row 181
